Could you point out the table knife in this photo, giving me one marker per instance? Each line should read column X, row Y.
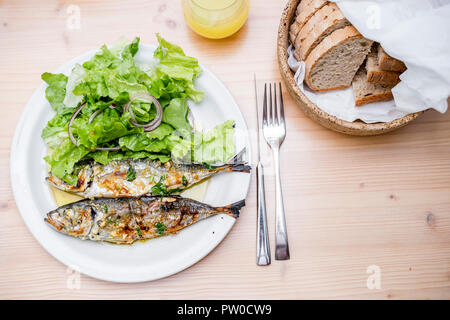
column 262, row 236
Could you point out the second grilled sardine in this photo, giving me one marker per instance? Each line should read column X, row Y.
column 125, row 220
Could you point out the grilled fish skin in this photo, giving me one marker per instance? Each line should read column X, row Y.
column 126, row 220
column 113, row 180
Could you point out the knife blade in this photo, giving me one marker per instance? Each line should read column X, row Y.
column 262, row 236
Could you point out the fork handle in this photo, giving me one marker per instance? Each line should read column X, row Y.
column 281, row 237
column 262, row 244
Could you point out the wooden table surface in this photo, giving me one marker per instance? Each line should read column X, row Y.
column 354, row 204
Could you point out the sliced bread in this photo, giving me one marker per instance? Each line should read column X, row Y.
column 326, row 20
column 376, row 75
column 387, row 63
column 366, row 92
column 294, row 29
column 333, row 63
column 305, row 10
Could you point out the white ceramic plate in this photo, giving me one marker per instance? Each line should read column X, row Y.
column 142, row 261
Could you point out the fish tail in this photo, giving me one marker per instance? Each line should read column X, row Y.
column 237, row 164
column 233, row 209
column 234, row 164
column 239, row 167
column 238, row 158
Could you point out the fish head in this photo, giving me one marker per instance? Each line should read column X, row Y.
column 83, row 182
column 73, row 219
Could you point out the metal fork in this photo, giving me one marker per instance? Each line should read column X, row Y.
column 274, row 131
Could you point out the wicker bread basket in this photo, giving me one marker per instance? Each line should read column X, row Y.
column 357, row 128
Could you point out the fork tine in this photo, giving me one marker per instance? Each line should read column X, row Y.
column 270, row 105
column 281, row 119
column 265, row 105
column 275, row 116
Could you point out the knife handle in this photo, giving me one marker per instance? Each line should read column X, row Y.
column 262, row 242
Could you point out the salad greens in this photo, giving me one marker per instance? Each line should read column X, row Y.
column 103, row 85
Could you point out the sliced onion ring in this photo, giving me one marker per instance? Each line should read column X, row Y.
column 96, row 113
column 155, row 122
column 72, row 138
column 92, row 117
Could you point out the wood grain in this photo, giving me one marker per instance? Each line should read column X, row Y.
column 351, row 202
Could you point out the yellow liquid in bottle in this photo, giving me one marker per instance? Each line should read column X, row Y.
column 215, row 19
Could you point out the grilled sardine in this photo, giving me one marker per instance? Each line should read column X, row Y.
column 125, row 220
column 135, row 178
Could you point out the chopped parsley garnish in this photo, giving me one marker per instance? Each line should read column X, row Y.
column 105, row 207
column 109, row 220
column 139, row 231
column 208, row 166
column 184, row 181
column 131, row 175
column 160, row 228
column 160, row 189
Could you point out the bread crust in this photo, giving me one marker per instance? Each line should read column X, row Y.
column 294, row 29
column 320, row 24
column 387, row 63
column 305, row 10
column 333, row 40
column 383, row 77
column 366, row 92
column 378, row 76
column 386, row 96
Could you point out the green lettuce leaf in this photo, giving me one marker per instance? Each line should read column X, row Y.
column 213, row 146
column 63, row 160
column 55, row 132
column 76, row 77
column 176, row 71
column 216, row 145
column 105, row 83
column 154, row 141
column 176, row 114
column 104, row 157
column 56, row 90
